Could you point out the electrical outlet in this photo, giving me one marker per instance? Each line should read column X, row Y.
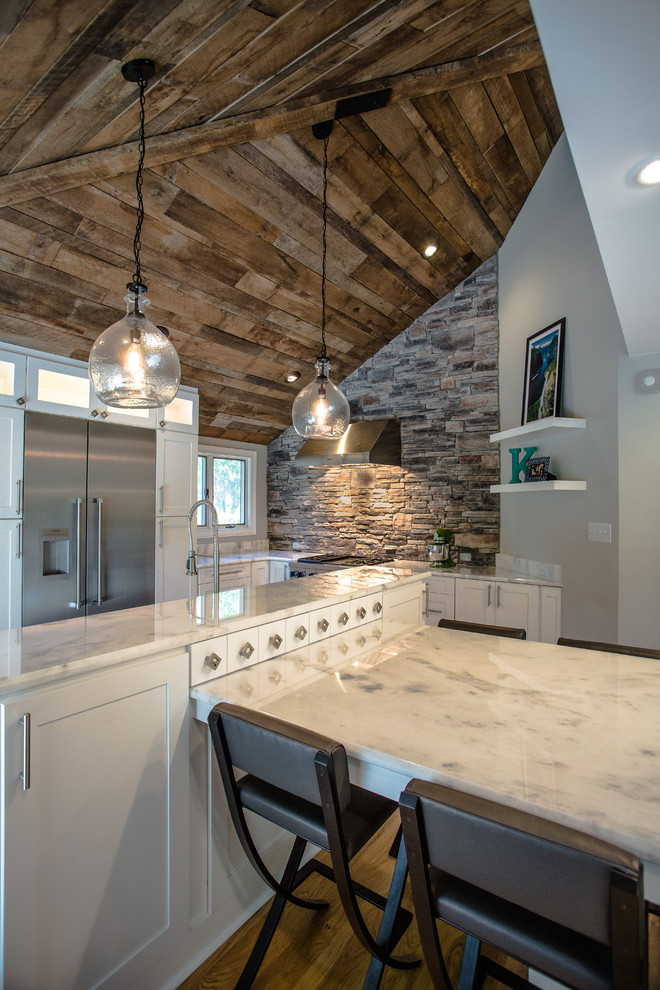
column 599, row 532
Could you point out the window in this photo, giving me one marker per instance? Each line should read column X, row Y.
column 225, row 480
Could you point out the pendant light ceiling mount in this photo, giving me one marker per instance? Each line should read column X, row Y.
column 132, row 364
column 321, row 410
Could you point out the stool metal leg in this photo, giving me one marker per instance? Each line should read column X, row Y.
column 393, row 923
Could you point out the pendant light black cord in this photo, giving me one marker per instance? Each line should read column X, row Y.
column 137, row 276
column 323, row 354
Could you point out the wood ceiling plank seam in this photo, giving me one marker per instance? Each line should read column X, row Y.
column 337, row 223
column 236, row 27
column 468, row 109
column 20, row 140
column 440, row 14
column 207, row 374
column 37, row 44
column 48, row 277
column 535, row 122
column 541, row 87
column 462, row 208
column 209, row 96
column 314, row 65
column 86, row 168
column 377, row 141
column 508, row 109
column 446, row 43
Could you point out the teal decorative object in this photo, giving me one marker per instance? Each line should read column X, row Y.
column 517, row 465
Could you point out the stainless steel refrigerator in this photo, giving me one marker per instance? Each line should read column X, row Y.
column 89, row 516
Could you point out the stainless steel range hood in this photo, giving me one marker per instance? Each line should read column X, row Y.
column 373, row 441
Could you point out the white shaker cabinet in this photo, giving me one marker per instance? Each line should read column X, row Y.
column 499, row 603
column 176, row 472
column 13, row 366
column 11, row 572
column 95, row 799
column 12, row 425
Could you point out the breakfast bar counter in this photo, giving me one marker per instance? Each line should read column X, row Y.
column 571, row 735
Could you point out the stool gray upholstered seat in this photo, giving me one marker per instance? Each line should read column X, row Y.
column 511, row 632
column 565, row 903
column 299, row 780
column 630, row 651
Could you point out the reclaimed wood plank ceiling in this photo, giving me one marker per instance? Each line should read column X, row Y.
column 231, row 244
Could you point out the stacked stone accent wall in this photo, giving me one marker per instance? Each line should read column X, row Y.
column 439, row 378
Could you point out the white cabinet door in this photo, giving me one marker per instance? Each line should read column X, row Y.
column 95, row 849
column 550, row 615
column 499, row 603
column 12, row 424
column 61, row 388
column 182, row 413
column 11, row 570
column 403, row 606
column 176, row 473
column 172, row 544
column 474, row 601
column 279, row 571
column 260, row 572
column 12, row 378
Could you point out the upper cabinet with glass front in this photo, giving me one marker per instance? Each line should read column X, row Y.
column 182, row 414
column 12, row 378
column 63, row 387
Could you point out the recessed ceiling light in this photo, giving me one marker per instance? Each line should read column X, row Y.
column 293, row 376
column 649, row 173
column 430, row 250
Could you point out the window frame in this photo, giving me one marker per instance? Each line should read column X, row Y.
column 227, row 530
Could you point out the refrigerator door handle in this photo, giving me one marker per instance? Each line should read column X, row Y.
column 79, row 598
column 99, row 556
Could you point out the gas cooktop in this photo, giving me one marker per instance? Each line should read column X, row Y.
column 344, row 560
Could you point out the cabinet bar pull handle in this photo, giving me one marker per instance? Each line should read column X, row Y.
column 19, row 497
column 160, row 524
column 78, row 550
column 99, row 555
column 162, row 499
column 19, row 542
column 27, row 755
column 499, row 589
column 489, row 596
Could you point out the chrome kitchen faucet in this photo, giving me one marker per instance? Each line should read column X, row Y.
column 191, row 565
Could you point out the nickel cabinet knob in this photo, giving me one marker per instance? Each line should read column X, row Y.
column 324, row 625
column 378, row 608
column 246, row 651
column 275, row 641
column 343, row 619
column 301, row 632
column 361, row 612
column 213, row 661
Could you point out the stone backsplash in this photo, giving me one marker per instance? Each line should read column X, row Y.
column 439, row 378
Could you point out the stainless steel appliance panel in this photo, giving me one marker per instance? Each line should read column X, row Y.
column 89, row 486
column 55, row 479
column 121, row 483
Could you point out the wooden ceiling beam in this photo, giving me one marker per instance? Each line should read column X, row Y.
column 45, row 180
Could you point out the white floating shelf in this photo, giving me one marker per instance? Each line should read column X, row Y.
column 549, row 426
column 542, row 486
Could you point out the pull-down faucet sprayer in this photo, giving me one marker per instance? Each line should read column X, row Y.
column 191, row 565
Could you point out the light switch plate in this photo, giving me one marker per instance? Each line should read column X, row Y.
column 599, row 532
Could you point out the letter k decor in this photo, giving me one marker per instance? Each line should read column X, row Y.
column 518, row 466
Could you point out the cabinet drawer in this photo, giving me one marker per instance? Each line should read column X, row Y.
column 441, row 585
column 341, row 619
column 374, row 606
column 320, row 624
column 242, row 649
column 208, row 660
column 234, row 577
column 442, row 604
column 297, row 631
column 272, row 639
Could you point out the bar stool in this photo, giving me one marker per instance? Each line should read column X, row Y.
column 589, row 644
column 565, row 903
column 511, row 632
column 299, row 780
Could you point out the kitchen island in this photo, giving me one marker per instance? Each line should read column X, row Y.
column 120, row 867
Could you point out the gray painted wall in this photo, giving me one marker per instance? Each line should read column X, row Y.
column 549, row 267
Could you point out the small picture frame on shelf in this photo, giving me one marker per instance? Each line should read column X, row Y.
column 543, row 373
column 536, row 469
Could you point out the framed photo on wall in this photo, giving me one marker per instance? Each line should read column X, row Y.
column 543, row 373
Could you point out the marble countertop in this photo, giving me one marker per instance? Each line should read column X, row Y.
column 570, row 734
column 477, row 573
column 44, row 654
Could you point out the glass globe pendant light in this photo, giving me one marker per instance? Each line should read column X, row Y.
column 132, row 364
column 320, row 410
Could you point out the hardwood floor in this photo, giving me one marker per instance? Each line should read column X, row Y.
column 318, row 951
